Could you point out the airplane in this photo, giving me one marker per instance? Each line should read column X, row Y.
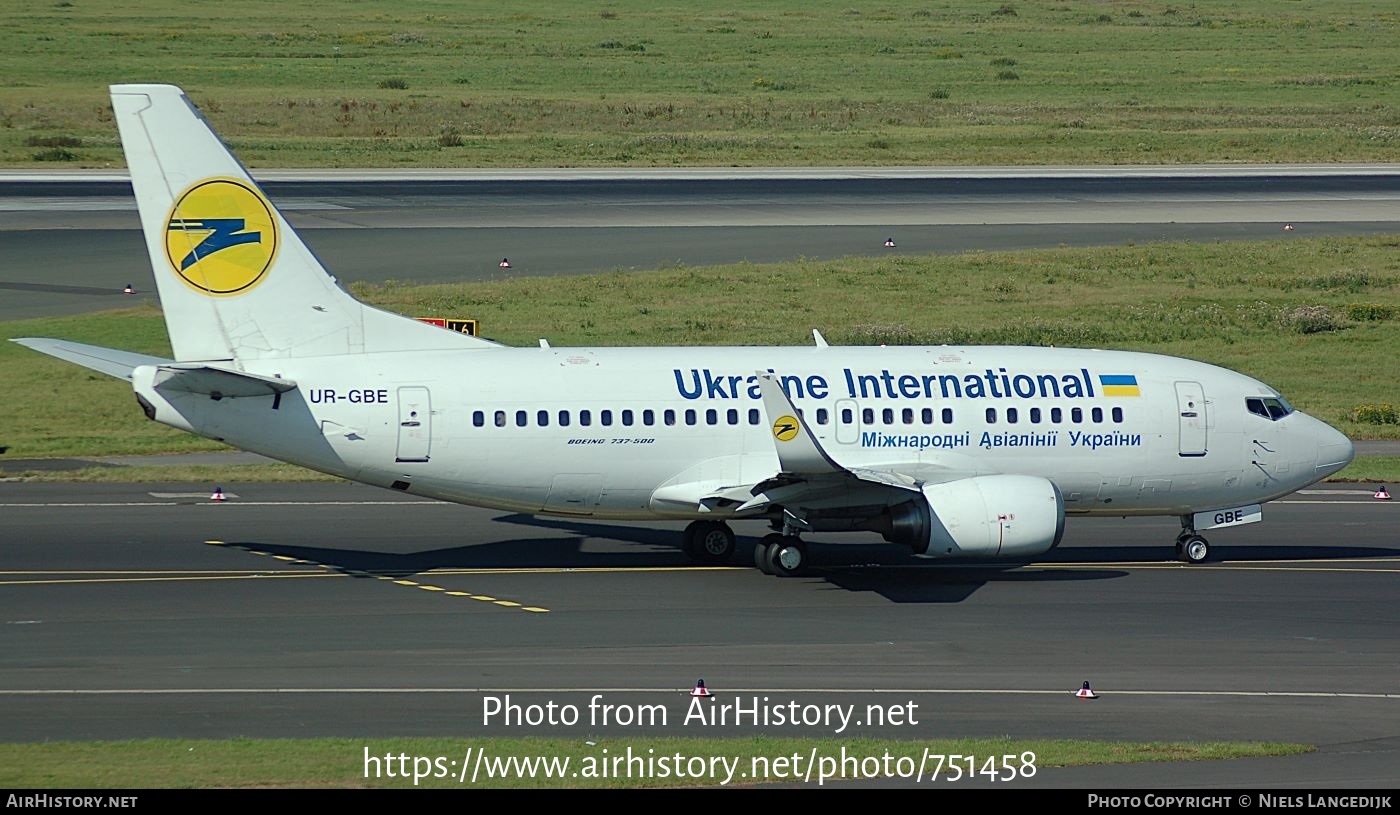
column 964, row 454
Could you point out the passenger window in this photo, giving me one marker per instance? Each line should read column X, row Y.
column 478, row 419
column 648, row 417
column 732, row 415
column 670, row 417
column 947, row 415
column 585, row 417
column 1056, row 415
column 1076, row 415
column 926, row 415
column 711, row 416
column 908, row 414
column 753, row 416
column 542, row 417
column 1118, row 415
column 605, row 418
column 690, row 416
column 823, row 416
column 521, row 418
column 500, row 418
column 888, row 415
column 1097, row 414
column 847, row 416
column 991, row 415
column 1012, row 415
column 627, row 418
column 563, row 418
column 867, row 415
column 1035, row 415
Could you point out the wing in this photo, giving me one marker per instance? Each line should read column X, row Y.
column 807, row 474
column 801, row 457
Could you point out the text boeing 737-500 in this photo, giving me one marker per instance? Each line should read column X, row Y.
column 956, row 452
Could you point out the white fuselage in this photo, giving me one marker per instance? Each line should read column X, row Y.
column 630, row 433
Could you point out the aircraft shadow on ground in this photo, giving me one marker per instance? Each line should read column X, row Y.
column 885, row 569
column 1237, row 554
column 896, row 575
column 899, row 579
column 518, row 553
column 875, row 554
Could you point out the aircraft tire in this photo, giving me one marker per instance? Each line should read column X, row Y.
column 761, row 550
column 787, row 557
column 710, row 542
column 1194, row 549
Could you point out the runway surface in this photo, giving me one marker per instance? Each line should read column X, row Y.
column 129, row 611
column 71, row 244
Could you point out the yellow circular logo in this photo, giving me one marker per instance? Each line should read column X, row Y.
column 221, row 237
column 785, row 429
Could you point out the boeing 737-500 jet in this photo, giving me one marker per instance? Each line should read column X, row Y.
column 956, row 452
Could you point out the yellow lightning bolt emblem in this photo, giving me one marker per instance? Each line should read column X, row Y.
column 785, row 429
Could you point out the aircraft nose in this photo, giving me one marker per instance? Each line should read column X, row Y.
column 1334, row 450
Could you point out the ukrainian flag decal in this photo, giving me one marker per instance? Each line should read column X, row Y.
column 1119, row 385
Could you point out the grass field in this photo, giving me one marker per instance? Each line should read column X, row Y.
column 1317, row 318
column 436, row 83
column 164, row 764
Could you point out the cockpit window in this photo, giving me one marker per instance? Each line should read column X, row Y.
column 1272, row 408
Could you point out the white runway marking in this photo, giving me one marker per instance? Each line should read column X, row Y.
column 54, row 203
column 95, row 504
column 203, row 498
column 206, row 502
column 1373, row 502
column 845, row 691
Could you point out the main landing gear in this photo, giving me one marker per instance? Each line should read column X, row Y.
column 781, row 555
column 709, row 542
column 1190, row 547
column 712, row 543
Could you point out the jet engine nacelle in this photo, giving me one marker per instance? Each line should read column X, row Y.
column 990, row 516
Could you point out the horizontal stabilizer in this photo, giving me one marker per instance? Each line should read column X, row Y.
column 108, row 361
column 193, row 377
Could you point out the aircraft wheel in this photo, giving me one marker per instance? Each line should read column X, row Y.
column 1181, row 542
column 787, row 557
column 709, row 542
column 761, row 550
column 1194, row 549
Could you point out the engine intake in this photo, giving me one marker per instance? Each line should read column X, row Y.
column 990, row 516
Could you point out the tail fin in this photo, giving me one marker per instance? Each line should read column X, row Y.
column 235, row 282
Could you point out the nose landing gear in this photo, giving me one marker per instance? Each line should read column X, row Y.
column 1191, row 547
